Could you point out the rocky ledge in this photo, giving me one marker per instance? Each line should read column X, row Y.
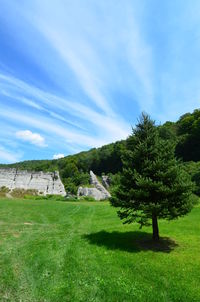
column 98, row 191
column 44, row 183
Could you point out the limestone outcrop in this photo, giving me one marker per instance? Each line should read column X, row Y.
column 106, row 181
column 98, row 191
column 96, row 183
column 91, row 192
column 44, row 183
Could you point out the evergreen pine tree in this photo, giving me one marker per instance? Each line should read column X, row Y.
column 152, row 185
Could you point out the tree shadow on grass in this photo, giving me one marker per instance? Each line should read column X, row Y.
column 131, row 241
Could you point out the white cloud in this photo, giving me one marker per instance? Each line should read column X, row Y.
column 59, row 155
column 33, row 138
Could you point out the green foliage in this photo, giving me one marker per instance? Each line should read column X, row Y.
column 34, row 165
column 193, row 169
column 87, row 198
column 21, row 193
column 74, row 169
column 70, row 187
column 153, row 184
column 3, row 191
column 106, row 159
column 168, row 131
column 47, row 197
column 188, row 147
column 114, row 181
column 69, row 170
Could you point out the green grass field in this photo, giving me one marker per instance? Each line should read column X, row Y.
column 80, row 251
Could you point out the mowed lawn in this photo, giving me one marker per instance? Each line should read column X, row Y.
column 80, row 251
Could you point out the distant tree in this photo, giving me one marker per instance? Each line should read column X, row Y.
column 193, row 169
column 188, row 126
column 152, row 185
column 168, row 131
column 69, row 170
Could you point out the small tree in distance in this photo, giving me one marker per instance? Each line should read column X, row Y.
column 152, row 185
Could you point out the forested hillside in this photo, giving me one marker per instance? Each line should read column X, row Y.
column 74, row 169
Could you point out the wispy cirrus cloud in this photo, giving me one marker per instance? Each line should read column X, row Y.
column 9, row 156
column 109, row 127
column 80, row 49
column 80, row 77
column 82, row 119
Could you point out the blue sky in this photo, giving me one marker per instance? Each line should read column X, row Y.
column 77, row 74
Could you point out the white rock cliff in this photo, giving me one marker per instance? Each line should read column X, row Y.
column 98, row 192
column 44, row 183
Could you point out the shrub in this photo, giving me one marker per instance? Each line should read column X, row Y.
column 3, row 191
column 21, row 193
column 87, row 198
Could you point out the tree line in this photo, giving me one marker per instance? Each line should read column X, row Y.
column 74, row 169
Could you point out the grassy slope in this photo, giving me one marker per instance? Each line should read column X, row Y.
column 56, row 251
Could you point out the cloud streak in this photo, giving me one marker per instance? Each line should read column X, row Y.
column 109, row 127
column 9, row 156
column 79, row 77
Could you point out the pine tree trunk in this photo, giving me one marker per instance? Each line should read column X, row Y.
column 155, row 227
